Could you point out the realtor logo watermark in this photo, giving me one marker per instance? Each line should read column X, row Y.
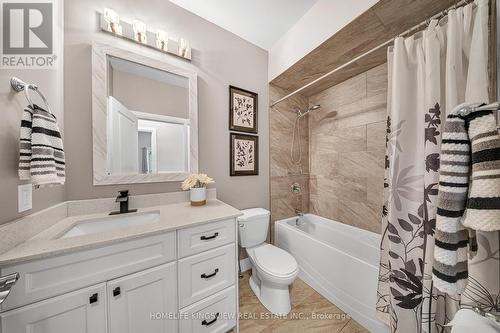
column 28, row 35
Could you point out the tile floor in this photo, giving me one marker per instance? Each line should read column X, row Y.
column 307, row 306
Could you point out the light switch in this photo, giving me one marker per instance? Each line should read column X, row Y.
column 24, row 197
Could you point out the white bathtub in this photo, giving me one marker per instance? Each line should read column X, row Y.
column 337, row 260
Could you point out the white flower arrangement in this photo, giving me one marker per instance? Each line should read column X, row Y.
column 196, row 180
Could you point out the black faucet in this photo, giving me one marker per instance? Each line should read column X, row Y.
column 122, row 198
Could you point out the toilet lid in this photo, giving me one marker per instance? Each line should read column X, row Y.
column 275, row 261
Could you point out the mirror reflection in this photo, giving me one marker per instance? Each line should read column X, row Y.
column 148, row 122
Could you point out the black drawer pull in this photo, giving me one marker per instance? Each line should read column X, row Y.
column 208, row 323
column 116, row 291
column 209, row 237
column 205, row 276
column 94, row 298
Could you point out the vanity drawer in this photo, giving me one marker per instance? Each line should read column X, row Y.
column 205, row 237
column 215, row 314
column 45, row 278
column 206, row 273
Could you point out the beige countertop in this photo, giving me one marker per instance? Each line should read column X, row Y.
column 172, row 217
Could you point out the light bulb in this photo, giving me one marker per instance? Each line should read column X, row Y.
column 113, row 21
column 162, row 40
column 183, row 47
column 140, row 31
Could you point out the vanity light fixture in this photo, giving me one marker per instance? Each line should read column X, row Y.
column 113, row 21
column 140, row 31
column 137, row 32
column 162, row 40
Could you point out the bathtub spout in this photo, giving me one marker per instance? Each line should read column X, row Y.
column 299, row 221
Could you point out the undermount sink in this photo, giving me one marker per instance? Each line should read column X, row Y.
column 98, row 225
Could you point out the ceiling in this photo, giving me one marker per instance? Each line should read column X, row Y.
column 261, row 22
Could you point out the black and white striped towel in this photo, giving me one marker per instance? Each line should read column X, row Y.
column 41, row 153
column 469, row 193
column 450, row 267
column 483, row 204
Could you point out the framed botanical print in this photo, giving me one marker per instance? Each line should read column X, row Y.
column 244, row 155
column 242, row 110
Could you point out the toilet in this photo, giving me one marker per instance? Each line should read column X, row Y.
column 273, row 269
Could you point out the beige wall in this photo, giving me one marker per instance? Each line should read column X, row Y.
column 11, row 106
column 219, row 57
column 142, row 94
column 347, row 149
column 283, row 172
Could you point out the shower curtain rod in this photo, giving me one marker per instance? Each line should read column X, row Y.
column 437, row 16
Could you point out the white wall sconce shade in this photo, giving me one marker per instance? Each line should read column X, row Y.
column 184, row 49
column 113, row 21
column 162, row 40
column 140, row 32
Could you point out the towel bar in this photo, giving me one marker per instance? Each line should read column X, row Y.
column 19, row 85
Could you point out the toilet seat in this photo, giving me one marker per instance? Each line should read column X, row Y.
column 274, row 261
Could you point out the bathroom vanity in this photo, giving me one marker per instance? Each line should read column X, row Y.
column 169, row 268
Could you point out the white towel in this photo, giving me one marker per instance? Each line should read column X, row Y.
column 41, row 153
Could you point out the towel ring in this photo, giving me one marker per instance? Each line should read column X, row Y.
column 19, row 85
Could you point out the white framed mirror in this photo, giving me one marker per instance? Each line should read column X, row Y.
column 144, row 118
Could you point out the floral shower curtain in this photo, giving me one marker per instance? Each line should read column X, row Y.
column 429, row 74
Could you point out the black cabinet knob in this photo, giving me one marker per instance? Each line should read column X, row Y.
column 116, row 291
column 93, row 298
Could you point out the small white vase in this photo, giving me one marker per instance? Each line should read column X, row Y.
column 198, row 196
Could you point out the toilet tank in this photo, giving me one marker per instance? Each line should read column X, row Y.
column 253, row 226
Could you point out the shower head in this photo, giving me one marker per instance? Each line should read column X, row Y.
column 296, row 132
column 301, row 114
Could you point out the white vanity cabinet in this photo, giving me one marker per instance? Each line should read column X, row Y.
column 178, row 281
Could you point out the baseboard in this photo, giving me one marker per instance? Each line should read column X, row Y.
column 245, row 265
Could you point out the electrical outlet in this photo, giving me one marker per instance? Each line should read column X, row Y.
column 24, row 197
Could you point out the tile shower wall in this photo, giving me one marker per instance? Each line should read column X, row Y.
column 282, row 171
column 347, row 143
